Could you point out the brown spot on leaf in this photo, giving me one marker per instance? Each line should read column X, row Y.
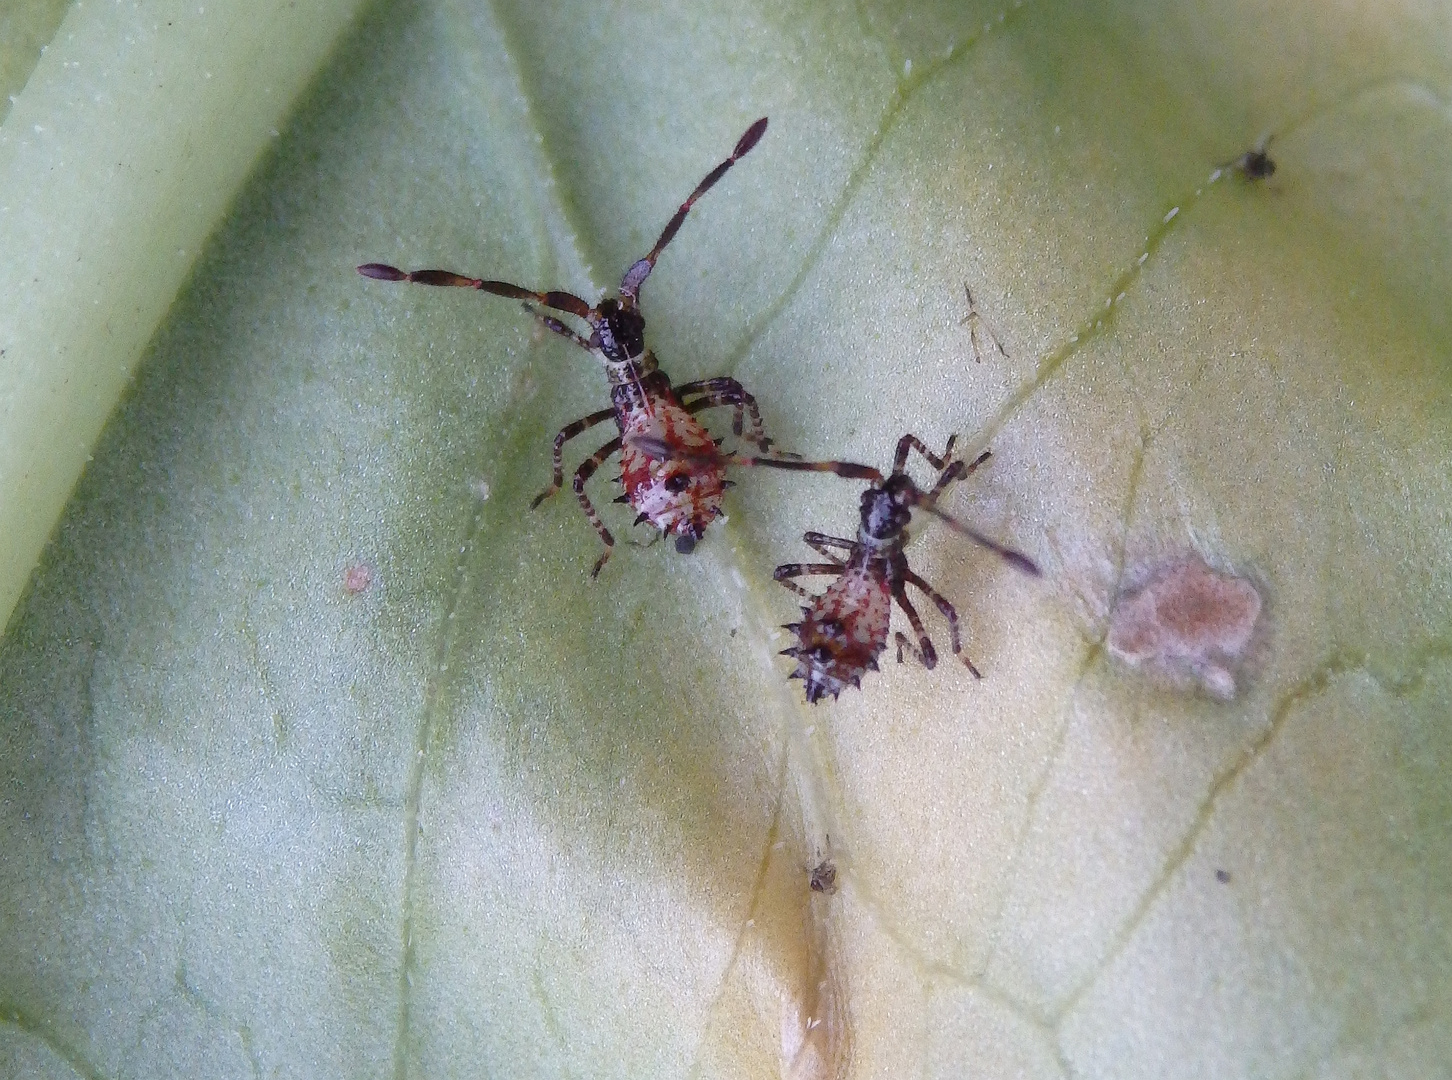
column 1190, row 622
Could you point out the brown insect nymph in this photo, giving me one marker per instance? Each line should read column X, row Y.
column 679, row 495
column 844, row 629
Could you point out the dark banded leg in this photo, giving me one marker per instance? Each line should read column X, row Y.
column 824, row 543
column 926, row 654
column 725, row 390
column 714, row 401
column 783, row 573
column 582, row 474
column 949, row 613
column 899, row 460
column 958, row 470
column 568, row 432
column 972, row 466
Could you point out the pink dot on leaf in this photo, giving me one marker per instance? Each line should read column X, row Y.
column 357, row 578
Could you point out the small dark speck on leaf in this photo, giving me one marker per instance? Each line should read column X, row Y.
column 823, row 877
column 1222, row 876
column 1256, row 165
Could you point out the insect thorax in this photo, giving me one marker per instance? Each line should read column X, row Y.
column 637, row 371
column 878, row 549
column 637, row 386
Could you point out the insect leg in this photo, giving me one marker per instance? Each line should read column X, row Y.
column 567, row 433
column 714, row 401
column 910, row 441
column 925, row 653
column 824, row 543
column 904, row 645
column 957, row 471
column 783, row 573
column 582, row 474
column 727, row 391
column 949, row 613
column 636, row 275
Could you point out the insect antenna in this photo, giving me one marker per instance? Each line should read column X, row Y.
column 560, row 301
column 928, row 500
column 636, row 275
column 661, row 450
column 1014, row 559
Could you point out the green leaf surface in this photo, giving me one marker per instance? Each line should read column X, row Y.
column 323, row 756
column 25, row 27
column 117, row 160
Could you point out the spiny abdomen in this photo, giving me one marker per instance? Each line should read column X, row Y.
column 841, row 634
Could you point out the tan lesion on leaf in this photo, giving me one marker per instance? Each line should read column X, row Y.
column 1189, row 623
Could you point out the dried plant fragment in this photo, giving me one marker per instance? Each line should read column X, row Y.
column 1189, row 622
column 823, row 877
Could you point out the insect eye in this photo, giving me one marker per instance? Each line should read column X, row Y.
column 677, row 482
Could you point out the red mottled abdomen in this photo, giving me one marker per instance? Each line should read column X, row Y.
column 842, row 633
column 678, row 495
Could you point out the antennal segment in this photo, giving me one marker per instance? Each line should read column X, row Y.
column 560, row 301
column 636, row 275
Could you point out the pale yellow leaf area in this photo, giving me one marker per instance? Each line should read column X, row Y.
column 321, row 754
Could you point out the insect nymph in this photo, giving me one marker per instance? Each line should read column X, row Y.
column 679, row 494
column 844, row 629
